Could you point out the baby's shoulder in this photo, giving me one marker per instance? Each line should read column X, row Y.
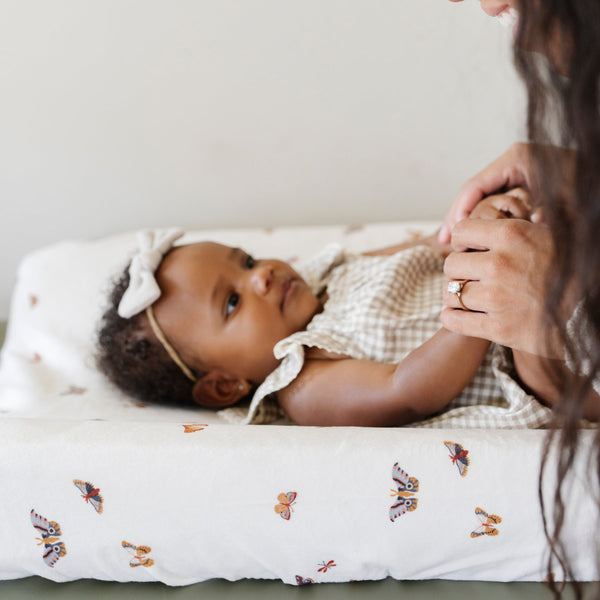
column 302, row 399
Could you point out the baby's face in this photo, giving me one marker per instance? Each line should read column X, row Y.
column 222, row 309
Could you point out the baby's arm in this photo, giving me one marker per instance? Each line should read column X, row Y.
column 431, row 241
column 514, row 204
column 368, row 393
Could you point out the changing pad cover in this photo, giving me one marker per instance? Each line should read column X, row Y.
column 181, row 503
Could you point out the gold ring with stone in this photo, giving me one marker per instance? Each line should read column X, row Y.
column 456, row 286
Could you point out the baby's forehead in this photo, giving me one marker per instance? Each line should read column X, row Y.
column 207, row 254
column 180, row 260
column 204, row 245
column 205, row 250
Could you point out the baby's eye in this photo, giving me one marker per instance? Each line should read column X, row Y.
column 232, row 302
column 250, row 262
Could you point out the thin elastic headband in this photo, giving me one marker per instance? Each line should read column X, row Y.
column 165, row 344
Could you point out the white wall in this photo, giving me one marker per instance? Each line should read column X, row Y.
column 119, row 114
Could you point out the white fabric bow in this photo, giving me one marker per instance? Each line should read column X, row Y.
column 143, row 290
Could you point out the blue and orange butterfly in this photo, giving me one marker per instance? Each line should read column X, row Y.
column 139, row 555
column 488, row 523
column 303, row 580
column 50, row 532
column 459, row 457
column 90, row 494
column 284, row 508
column 407, row 488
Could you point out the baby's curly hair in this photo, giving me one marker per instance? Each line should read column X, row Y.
column 129, row 354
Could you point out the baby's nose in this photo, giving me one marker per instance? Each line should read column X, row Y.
column 261, row 279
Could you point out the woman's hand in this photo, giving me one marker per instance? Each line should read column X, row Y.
column 511, row 170
column 506, row 287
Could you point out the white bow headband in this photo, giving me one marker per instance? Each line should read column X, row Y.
column 143, row 289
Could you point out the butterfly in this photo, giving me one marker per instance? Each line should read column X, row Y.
column 90, row 494
column 50, row 532
column 194, row 427
column 284, row 508
column 303, row 580
column 407, row 487
column 459, row 457
column 329, row 565
column 139, row 555
column 487, row 524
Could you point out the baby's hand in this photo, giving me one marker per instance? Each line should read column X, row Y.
column 514, row 204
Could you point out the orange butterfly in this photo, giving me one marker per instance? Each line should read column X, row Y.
column 194, row 427
column 284, row 508
column 139, row 555
column 488, row 523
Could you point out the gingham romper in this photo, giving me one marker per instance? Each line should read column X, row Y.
column 381, row 308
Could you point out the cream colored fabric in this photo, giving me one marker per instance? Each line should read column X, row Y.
column 381, row 308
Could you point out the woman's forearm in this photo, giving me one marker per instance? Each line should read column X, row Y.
column 545, row 379
column 534, row 376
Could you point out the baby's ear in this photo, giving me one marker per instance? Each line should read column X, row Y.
column 216, row 389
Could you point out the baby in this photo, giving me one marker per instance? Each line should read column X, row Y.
column 356, row 341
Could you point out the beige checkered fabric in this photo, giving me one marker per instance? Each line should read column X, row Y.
column 381, row 308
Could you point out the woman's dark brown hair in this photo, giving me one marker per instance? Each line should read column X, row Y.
column 563, row 109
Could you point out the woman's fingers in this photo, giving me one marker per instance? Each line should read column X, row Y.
column 508, row 171
column 471, row 324
column 467, row 199
column 474, row 234
column 504, row 297
column 486, row 234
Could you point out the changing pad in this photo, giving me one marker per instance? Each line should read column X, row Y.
column 95, row 485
